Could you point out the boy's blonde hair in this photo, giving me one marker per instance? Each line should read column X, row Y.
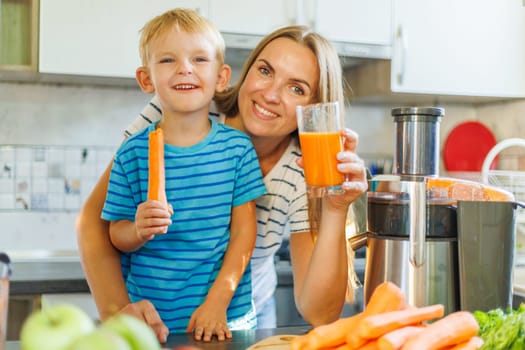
column 181, row 19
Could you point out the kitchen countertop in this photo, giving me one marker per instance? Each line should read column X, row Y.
column 65, row 275
column 42, row 276
column 241, row 339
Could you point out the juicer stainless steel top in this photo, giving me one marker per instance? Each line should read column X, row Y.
column 415, row 220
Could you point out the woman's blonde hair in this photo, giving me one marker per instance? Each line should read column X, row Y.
column 186, row 20
column 331, row 83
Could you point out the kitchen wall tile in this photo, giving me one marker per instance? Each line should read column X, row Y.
column 40, row 185
column 7, row 201
column 55, row 201
column 7, row 185
column 43, row 177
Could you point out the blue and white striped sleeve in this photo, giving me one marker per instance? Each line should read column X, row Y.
column 151, row 113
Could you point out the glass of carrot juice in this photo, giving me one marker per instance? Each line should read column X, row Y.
column 321, row 139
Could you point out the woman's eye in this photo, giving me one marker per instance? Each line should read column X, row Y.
column 264, row 71
column 297, row 90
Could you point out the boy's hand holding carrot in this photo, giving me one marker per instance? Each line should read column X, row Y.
column 152, row 218
column 154, row 215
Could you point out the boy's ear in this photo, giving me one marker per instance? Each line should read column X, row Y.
column 144, row 79
column 225, row 74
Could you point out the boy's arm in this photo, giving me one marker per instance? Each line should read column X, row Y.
column 210, row 317
column 152, row 218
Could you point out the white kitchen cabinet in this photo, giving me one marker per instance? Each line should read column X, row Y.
column 467, row 47
column 253, row 17
column 98, row 37
column 358, row 28
column 358, row 21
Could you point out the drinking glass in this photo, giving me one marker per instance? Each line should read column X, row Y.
column 320, row 137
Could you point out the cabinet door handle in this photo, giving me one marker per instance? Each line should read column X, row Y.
column 401, row 38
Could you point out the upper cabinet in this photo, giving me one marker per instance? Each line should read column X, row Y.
column 357, row 28
column 252, row 17
column 355, row 21
column 450, row 48
column 18, row 35
column 97, row 37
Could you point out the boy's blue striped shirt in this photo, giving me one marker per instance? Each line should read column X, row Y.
column 203, row 183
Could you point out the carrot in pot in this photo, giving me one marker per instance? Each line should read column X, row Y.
column 395, row 339
column 455, row 328
column 157, row 172
column 376, row 325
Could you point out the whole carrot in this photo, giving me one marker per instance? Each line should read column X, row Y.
column 328, row 335
column 395, row 339
column 386, row 297
column 371, row 345
column 376, row 325
column 455, row 328
column 473, row 344
column 157, row 172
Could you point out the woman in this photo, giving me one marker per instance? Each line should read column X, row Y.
column 291, row 66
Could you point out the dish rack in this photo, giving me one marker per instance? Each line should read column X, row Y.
column 512, row 181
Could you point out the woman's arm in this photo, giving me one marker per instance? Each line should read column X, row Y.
column 100, row 260
column 321, row 268
column 210, row 317
column 101, row 264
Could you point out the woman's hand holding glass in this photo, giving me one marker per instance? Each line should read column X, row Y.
column 353, row 169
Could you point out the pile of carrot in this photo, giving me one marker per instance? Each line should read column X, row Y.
column 388, row 323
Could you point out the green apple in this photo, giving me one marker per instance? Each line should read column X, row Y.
column 54, row 327
column 137, row 333
column 100, row 339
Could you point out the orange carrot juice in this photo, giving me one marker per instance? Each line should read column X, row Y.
column 320, row 158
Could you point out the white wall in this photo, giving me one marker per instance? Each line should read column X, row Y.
column 87, row 115
column 66, row 115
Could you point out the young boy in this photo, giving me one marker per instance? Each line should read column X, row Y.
column 189, row 258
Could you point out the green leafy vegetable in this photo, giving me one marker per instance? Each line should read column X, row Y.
column 502, row 329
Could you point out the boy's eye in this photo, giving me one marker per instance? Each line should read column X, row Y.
column 201, row 59
column 166, row 60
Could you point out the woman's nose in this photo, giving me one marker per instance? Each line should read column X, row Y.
column 272, row 93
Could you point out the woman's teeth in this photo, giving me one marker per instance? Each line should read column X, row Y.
column 264, row 111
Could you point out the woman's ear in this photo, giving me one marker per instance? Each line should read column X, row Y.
column 144, row 79
column 225, row 74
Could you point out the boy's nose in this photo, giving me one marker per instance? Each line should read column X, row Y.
column 184, row 67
